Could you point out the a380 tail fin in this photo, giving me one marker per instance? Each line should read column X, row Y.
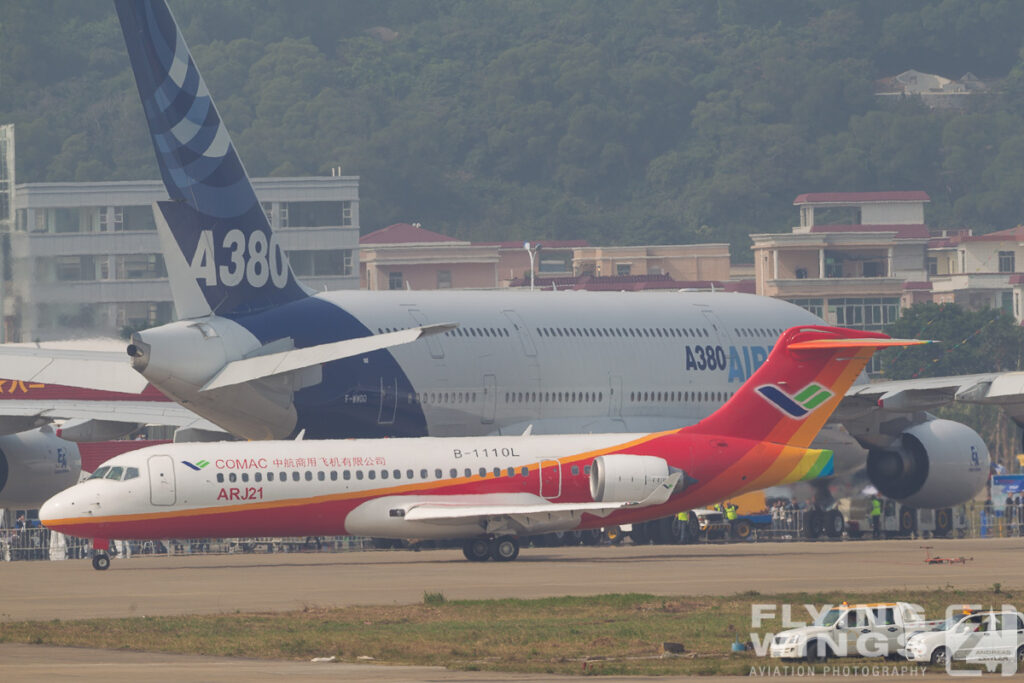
column 791, row 396
column 225, row 258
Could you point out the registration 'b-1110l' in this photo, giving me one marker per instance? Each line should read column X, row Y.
column 489, row 491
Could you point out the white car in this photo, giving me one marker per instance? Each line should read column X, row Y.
column 991, row 637
column 868, row 630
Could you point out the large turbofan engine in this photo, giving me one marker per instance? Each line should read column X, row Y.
column 619, row 478
column 934, row 464
column 35, row 465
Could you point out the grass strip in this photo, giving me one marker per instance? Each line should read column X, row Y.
column 619, row 634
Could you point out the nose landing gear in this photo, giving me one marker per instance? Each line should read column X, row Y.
column 100, row 558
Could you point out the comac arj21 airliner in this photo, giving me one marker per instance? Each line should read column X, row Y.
column 262, row 357
column 487, row 490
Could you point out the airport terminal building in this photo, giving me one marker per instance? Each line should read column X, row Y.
column 84, row 259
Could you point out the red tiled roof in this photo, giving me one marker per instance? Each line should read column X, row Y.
column 1009, row 235
column 903, row 231
column 861, row 197
column 547, row 244
column 632, row 283
column 403, row 233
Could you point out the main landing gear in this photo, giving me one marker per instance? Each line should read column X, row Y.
column 500, row 549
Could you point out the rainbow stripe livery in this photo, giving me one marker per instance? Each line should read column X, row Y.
column 488, row 490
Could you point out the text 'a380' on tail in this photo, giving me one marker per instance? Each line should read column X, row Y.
column 791, row 396
column 221, row 253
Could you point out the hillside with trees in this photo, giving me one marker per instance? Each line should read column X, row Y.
column 626, row 122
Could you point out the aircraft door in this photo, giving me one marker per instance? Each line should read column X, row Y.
column 550, row 479
column 161, row 480
column 522, row 332
column 490, row 399
column 388, row 401
column 615, row 396
column 434, row 340
column 718, row 330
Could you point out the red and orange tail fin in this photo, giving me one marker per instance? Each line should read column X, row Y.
column 790, row 397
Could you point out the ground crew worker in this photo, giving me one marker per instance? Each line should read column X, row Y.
column 876, row 517
column 731, row 516
column 684, row 527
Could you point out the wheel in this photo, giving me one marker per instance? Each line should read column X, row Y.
column 908, row 521
column 939, row 656
column 813, row 522
column 505, row 549
column 834, row 524
column 640, row 534
column 101, row 561
column 1020, row 656
column 943, row 522
column 476, row 549
column 813, row 655
column 661, row 531
column 741, row 529
column 612, row 535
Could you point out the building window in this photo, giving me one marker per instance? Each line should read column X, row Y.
column 444, row 279
column 317, row 214
column 395, row 279
column 75, row 268
column 321, row 262
column 1007, row 302
column 933, row 265
column 622, row 268
column 1007, row 262
column 139, row 266
column 874, row 269
column 135, row 219
column 268, row 211
column 555, row 262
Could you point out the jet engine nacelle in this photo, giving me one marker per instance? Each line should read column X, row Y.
column 34, row 466
column 934, row 464
column 619, row 478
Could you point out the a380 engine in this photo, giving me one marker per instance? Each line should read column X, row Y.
column 619, row 478
column 934, row 464
column 35, row 465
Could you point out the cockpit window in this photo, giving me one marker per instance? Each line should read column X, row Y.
column 131, row 473
column 99, row 473
column 115, row 473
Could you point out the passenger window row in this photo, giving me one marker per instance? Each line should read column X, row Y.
column 460, row 331
column 757, row 331
column 359, row 475
column 673, row 396
column 622, row 332
column 554, row 396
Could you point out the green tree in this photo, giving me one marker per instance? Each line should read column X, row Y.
column 969, row 342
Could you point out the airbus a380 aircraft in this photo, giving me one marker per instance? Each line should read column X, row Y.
column 262, row 357
column 487, row 490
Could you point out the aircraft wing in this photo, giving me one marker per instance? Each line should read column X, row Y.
column 258, row 367
column 107, row 370
column 139, row 412
column 523, row 513
column 912, row 395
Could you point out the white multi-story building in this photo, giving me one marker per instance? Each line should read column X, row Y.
column 84, row 259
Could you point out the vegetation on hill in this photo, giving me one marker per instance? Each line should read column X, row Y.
column 635, row 121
